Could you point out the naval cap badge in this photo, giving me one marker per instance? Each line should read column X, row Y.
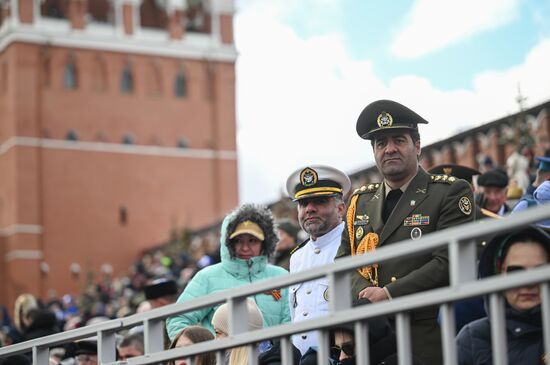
column 308, row 177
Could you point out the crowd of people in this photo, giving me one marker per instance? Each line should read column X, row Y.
column 408, row 203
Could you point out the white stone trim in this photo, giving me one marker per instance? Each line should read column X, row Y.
column 14, row 12
column 116, row 148
column 100, row 37
column 21, row 228
column 23, row 255
column 221, row 6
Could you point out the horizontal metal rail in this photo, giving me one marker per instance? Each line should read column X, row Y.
column 459, row 240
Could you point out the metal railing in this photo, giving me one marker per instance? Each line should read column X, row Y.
column 464, row 284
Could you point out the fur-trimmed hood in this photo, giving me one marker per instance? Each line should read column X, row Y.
column 258, row 214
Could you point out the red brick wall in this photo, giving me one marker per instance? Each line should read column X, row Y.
column 75, row 195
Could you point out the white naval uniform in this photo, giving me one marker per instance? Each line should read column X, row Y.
column 307, row 300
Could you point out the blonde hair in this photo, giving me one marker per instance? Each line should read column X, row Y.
column 23, row 305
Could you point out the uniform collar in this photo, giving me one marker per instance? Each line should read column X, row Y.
column 329, row 237
column 388, row 188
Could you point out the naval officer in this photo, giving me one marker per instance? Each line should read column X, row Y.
column 319, row 192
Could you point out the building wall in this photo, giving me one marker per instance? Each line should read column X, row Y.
column 94, row 175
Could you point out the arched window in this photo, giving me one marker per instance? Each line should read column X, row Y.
column 183, row 143
column 71, row 135
column 128, row 138
column 127, row 80
column 70, row 76
column 180, row 85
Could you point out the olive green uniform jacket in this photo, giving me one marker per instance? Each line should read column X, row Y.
column 430, row 203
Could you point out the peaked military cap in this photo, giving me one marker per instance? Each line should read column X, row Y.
column 496, row 178
column 544, row 163
column 384, row 115
column 317, row 180
column 459, row 171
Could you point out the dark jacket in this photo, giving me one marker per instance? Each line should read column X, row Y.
column 524, row 332
column 272, row 354
column 430, row 203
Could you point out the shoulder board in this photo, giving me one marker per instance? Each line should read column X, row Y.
column 370, row 188
column 299, row 246
column 448, row 179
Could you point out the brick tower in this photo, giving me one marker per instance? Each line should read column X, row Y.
column 117, row 124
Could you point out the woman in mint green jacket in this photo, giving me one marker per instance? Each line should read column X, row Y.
column 247, row 239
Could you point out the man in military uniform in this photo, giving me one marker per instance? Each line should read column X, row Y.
column 319, row 192
column 406, row 205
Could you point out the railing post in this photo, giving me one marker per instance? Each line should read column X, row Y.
column 498, row 329
column 287, row 354
column 448, row 330
column 339, row 287
column 362, row 347
column 252, row 354
column 40, row 355
column 403, row 327
column 462, row 261
column 238, row 315
column 106, row 346
column 153, row 335
column 323, row 353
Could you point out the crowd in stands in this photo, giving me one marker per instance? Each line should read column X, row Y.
column 499, row 191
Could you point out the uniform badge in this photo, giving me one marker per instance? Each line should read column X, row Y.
column 361, row 220
column 416, row 233
column 384, row 120
column 308, row 177
column 325, row 294
column 465, row 205
column 359, row 233
column 417, row 220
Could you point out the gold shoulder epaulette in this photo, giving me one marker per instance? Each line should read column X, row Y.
column 443, row 179
column 299, row 246
column 369, row 188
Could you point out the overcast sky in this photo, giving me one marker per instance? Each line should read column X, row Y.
column 307, row 68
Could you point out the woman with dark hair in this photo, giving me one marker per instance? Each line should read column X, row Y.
column 189, row 336
column 522, row 249
column 247, row 239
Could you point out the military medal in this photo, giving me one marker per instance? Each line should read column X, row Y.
column 416, row 233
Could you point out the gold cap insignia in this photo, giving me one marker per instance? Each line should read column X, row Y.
column 465, row 205
column 384, row 120
column 448, row 170
column 308, row 177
